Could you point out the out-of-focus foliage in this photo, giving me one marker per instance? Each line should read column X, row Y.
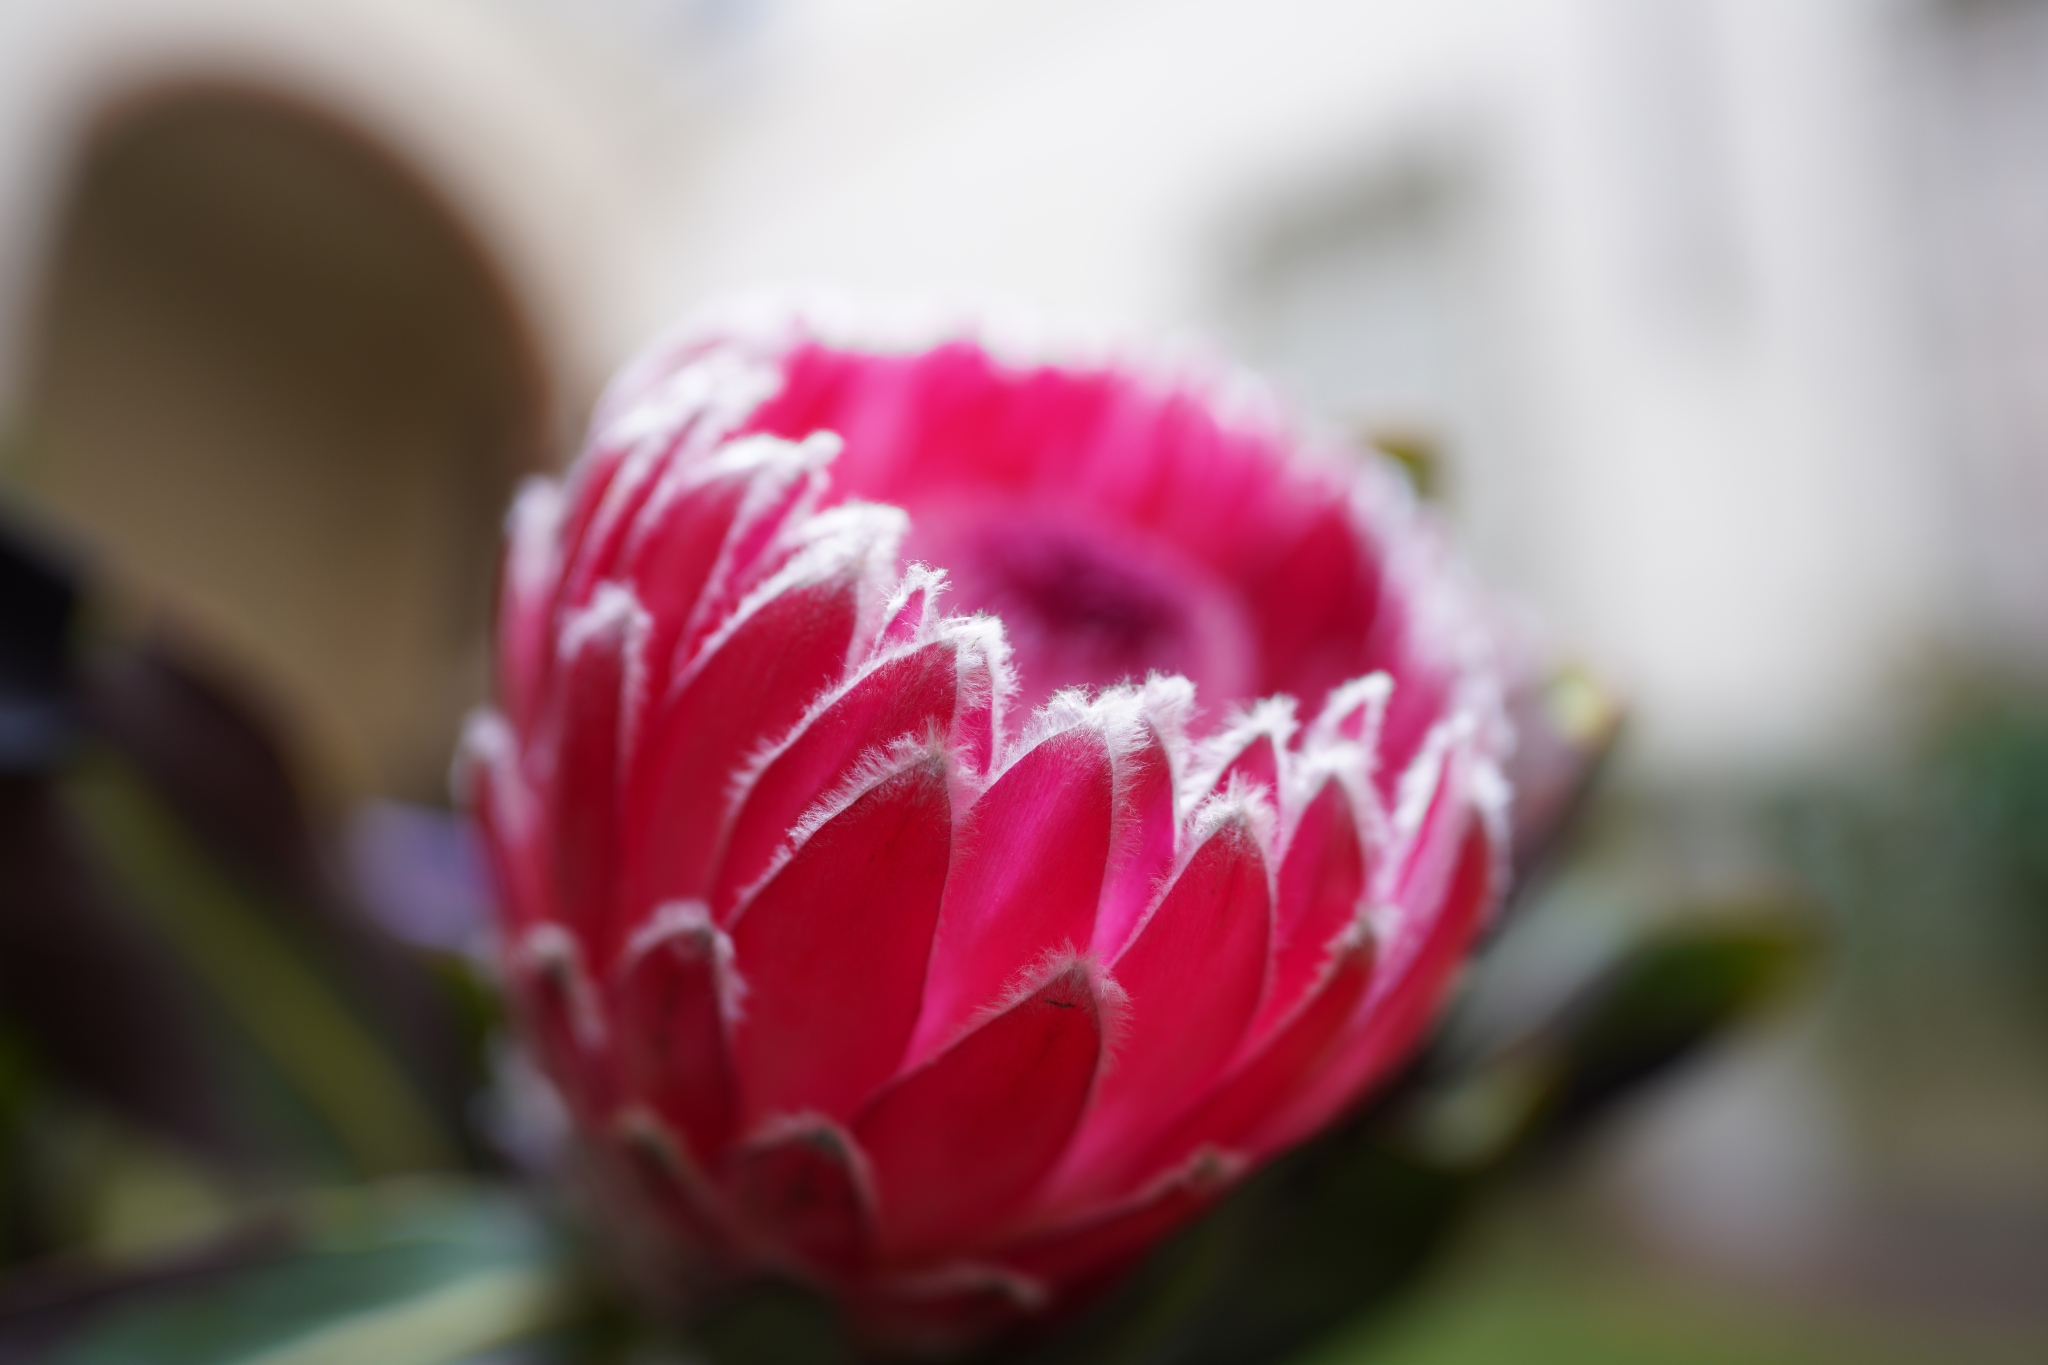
column 1937, row 868
column 409, row 1273
column 195, row 1024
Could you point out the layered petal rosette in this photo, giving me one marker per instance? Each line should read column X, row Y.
column 956, row 813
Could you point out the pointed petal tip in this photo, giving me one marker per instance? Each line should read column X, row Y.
column 686, row 928
column 1353, row 711
column 1244, row 810
column 959, row 1141
column 911, row 615
column 611, row 617
column 487, row 745
column 553, row 958
column 804, row 1196
column 836, row 942
column 670, row 1176
column 1026, row 879
column 1067, row 979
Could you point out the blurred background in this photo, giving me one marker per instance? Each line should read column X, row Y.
column 1719, row 328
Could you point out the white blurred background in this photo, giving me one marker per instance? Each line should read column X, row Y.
column 1727, row 320
column 1727, row 315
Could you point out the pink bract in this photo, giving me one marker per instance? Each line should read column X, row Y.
column 954, row 813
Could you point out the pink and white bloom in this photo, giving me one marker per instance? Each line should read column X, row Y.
column 955, row 813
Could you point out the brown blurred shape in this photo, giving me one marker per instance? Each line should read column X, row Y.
column 283, row 388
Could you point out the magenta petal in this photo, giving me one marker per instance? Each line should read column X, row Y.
column 1106, row 1239
column 985, row 685
column 911, row 695
column 909, row 611
column 1279, row 1067
column 1445, row 900
column 671, row 1007
column 956, row 1144
column 507, row 815
column 610, row 509
column 1256, row 765
column 833, row 949
column 583, row 493
column 526, row 600
column 586, row 723
column 1316, row 608
column 1322, row 880
column 1144, row 846
column 785, row 486
column 673, row 553
column 752, row 688
column 802, row 1196
column 1252, row 753
column 1192, row 975
column 669, row 1179
column 561, row 1013
column 1026, row 880
column 901, row 627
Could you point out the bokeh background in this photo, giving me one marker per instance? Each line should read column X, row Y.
column 1718, row 328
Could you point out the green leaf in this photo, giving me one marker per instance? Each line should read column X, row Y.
column 217, row 927
column 431, row 1280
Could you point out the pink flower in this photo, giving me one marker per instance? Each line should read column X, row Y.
column 954, row 814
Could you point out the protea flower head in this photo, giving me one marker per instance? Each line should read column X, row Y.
column 956, row 813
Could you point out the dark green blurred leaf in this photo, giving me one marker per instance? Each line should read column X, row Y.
column 412, row 1278
column 1669, row 996
column 228, row 939
column 94, row 1006
column 774, row 1323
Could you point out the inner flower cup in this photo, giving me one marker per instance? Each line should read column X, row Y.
column 1119, row 529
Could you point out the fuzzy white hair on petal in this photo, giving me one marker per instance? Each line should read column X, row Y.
column 1271, row 718
column 1350, row 766
column 1425, row 773
column 871, row 770
column 1249, row 804
column 1328, row 753
column 785, row 481
column 489, row 753
column 608, row 618
column 689, row 921
column 985, row 675
column 532, row 532
column 918, row 591
column 809, row 1128
column 769, row 324
column 860, row 539
column 1167, row 701
column 614, row 620
column 1118, row 714
column 708, row 389
column 770, row 464
column 1246, row 805
column 988, row 672
column 971, row 637
column 552, row 951
column 1359, row 704
column 1064, row 959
